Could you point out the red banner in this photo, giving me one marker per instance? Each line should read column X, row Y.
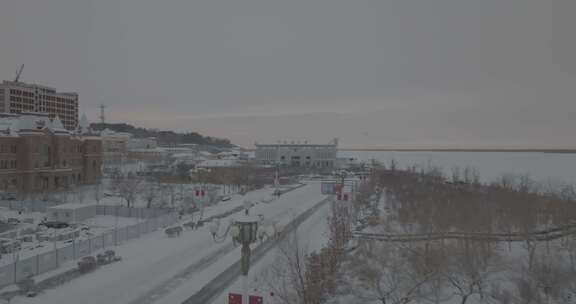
column 234, row 298
column 255, row 300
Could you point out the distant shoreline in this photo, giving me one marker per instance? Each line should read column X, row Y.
column 555, row 151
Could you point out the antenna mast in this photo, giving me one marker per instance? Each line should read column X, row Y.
column 18, row 73
column 102, row 114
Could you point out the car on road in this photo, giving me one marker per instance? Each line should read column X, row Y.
column 55, row 224
column 225, row 198
column 13, row 221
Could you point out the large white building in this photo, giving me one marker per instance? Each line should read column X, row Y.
column 297, row 154
column 18, row 97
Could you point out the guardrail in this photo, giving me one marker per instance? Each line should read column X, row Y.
column 543, row 235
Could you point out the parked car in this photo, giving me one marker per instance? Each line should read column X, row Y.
column 225, row 198
column 55, row 224
column 9, row 246
column 87, row 263
column 8, row 196
column 13, row 221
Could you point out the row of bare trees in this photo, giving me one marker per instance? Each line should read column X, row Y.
column 155, row 193
column 423, row 200
column 454, row 272
column 426, row 201
column 233, row 177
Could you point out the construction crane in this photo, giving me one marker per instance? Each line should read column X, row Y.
column 18, row 73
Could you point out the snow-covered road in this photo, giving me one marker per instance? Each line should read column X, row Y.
column 152, row 261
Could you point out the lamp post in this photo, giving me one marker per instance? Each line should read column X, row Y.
column 248, row 232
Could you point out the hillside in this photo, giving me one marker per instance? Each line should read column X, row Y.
column 164, row 137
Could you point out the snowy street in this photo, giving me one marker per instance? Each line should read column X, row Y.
column 155, row 265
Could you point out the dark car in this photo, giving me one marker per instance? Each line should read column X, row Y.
column 55, row 225
column 87, row 264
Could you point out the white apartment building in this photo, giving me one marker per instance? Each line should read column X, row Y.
column 297, row 154
column 19, row 97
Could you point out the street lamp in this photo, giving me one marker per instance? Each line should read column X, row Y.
column 247, row 234
column 244, row 230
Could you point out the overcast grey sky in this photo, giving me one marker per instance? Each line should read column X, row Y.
column 410, row 73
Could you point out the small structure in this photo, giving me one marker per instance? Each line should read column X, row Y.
column 71, row 213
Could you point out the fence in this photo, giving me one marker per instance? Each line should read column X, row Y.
column 144, row 213
column 44, row 262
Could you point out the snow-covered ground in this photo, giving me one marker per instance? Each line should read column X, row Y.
column 156, row 258
column 490, row 165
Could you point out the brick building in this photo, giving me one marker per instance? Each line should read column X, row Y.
column 38, row 154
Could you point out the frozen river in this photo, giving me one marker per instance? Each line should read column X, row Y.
column 491, row 165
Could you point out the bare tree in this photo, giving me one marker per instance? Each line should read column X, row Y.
column 150, row 194
column 287, row 276
column 126, row 186
column 383, row 274
column 471, row 266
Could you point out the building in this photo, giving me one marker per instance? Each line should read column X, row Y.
column 296, row 154
column 114, row 147
column 38, row 154
column 19, row 97
column 142, row 143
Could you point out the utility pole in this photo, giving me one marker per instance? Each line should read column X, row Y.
column 102, row 114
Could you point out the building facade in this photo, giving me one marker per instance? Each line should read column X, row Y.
column 142, row 143
column 297, row 154
column 19, row 97
column 114, row 148
column 38, row 154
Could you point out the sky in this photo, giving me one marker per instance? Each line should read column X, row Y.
column 403, row 73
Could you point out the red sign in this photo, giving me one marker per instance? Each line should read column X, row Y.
column 255, row 300
column 234, row 298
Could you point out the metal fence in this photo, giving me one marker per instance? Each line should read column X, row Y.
column 48, row 261
column 140, row 212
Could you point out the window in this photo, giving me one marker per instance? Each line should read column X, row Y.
column 13, row 149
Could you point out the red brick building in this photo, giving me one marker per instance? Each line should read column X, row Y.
column 38, row 154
